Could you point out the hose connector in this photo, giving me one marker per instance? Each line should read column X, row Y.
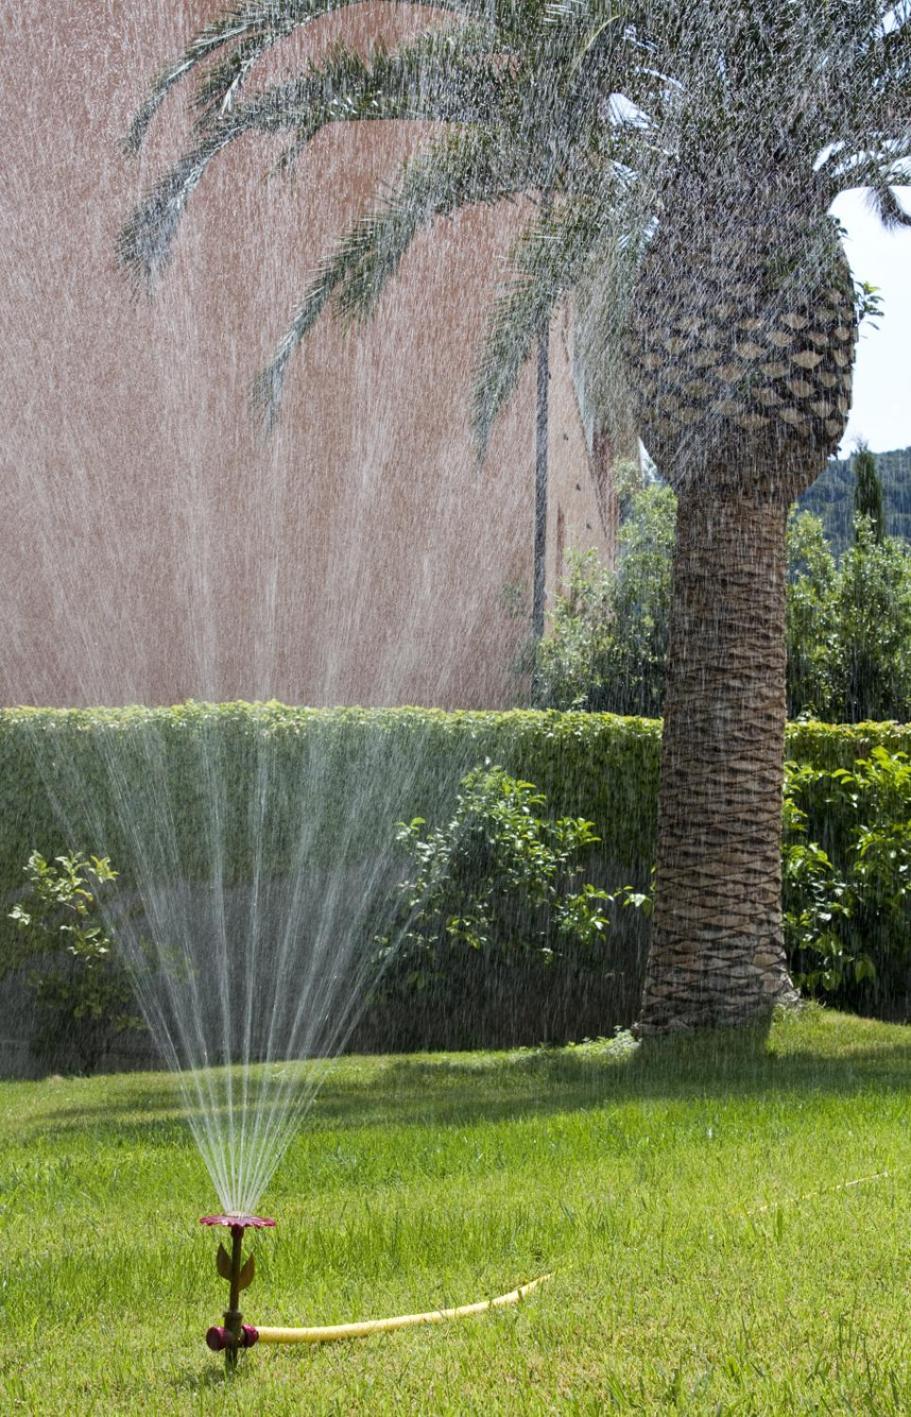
column 221, row 1336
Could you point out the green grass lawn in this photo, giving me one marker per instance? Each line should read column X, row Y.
column 689, row 1198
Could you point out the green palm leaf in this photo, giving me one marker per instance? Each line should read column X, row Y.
column 441, row 77
column 546, row 262
column 463, row 169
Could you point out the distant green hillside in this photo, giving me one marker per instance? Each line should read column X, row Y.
column 832, row 497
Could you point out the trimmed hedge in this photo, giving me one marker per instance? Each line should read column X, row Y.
column 174, row 790
column 220, row 793
column 306, row 801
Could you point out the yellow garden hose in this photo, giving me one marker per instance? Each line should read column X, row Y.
column 368, row 1326
column 219, row 1338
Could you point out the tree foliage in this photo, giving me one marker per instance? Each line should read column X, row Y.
column 848, row 622
column 868, row 491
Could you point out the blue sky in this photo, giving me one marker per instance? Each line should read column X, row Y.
column 882, row 383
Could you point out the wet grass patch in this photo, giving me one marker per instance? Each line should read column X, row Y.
column 691, row 1197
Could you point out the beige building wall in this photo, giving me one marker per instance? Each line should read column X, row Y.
column 153, row 545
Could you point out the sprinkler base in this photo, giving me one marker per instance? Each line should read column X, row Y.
column 220, row 1337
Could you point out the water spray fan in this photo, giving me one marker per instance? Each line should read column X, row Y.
column 234, row 1334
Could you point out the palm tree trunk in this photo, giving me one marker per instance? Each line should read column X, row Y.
column 717, row 952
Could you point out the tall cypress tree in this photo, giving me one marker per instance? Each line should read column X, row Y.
column 868, row 490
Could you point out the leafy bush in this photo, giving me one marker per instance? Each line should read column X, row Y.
column 847, row 884
column 500, row 876
column 82, row 993
column 497, row 893
column 205, row 796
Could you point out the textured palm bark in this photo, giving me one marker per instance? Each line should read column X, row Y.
column 717, row 953
column 741, row 343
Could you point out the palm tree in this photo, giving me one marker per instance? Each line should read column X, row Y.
column 686, row 158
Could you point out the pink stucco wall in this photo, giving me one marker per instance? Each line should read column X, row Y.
column 153, row 546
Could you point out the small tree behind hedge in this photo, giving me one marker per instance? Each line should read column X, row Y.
column 868, row 491
column 608, row 638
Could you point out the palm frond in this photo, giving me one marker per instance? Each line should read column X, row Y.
column 235, row 24
column 887, row 207
column 253, row 28
column 465, row 169
column 441, row 76
column 145, row 243
column 269, row 384
column 460, row 170
column 547, row 261
column 624, row 111
column 220, row 86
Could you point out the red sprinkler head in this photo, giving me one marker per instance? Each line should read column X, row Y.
column 235, row 1334
column 239, row 1222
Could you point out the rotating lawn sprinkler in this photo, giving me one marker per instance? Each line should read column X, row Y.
column 234, row 1334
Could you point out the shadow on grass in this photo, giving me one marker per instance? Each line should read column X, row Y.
column 798, row 1059
column 211, row 1378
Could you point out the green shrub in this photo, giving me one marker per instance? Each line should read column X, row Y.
column 82, row 994
column 501, row 876
column 494, row 903
column 847, row 879
column 170, row 793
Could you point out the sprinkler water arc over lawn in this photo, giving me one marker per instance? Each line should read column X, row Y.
column 684, row 167
column 677, row 170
